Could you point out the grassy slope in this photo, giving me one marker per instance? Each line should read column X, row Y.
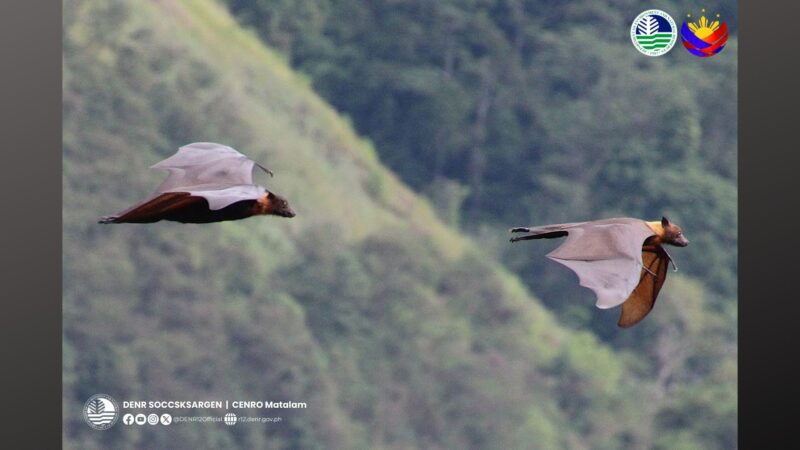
column 393, row 328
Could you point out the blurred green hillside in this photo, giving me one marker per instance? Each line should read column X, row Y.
column 524, row 112
column 398, row 330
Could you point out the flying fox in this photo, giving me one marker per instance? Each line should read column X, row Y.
column 207, row 182
column 623, row 260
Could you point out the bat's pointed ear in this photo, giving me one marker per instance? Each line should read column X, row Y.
column 664, row 221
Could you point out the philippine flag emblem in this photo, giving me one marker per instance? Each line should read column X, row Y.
column 704, row 38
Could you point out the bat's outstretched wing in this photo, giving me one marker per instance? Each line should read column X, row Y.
column 642, row 299
column 155, row 208
column 215, row 172
column 205, row 164
column 605, row 254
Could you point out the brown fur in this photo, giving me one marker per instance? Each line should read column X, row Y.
column 272, row 204
column 155, row 209
column 263, row 205
column 182, row 207
column 655, row 260
column 666, row 232
column 642, row 299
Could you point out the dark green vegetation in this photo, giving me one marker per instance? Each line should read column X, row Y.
column 368, row 306
column 523, row 112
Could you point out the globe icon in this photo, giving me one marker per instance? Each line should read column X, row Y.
column 230, row 419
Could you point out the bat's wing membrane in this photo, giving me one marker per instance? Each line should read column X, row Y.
column 219, row 197
column 154, row 209
column 642, row 299
column 215, row 172
column 606, row 255
column 205, row 163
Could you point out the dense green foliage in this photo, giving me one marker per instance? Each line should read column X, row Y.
column 541, row 111
column 398, row 332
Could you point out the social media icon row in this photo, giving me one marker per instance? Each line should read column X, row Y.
column 141, row 419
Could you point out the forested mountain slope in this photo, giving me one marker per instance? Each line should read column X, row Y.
column 523, row 112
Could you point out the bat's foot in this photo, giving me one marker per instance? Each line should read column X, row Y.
column 107, row 219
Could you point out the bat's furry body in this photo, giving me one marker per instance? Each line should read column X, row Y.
column 622, row 260
column 207, row 182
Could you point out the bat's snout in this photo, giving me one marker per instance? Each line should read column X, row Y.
column 278, row 206
column 681, row 241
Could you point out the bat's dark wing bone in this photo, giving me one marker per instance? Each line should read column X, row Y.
column 543, row 232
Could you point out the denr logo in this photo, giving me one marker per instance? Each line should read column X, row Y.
column 101, row 411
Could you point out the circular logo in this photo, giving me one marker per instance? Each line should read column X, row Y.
column 653, row 32
column 230, row 419
column 141, row 419
column 166, row 419
column 127, row 419
column 101, row 411
column 152, row 419
column 704, row 37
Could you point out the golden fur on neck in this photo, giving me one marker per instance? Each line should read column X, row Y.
column 263, row 205
column 666, row 232
column 656, row 226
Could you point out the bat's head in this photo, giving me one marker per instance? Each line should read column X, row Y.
column 673, row 234
column 278, row 206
